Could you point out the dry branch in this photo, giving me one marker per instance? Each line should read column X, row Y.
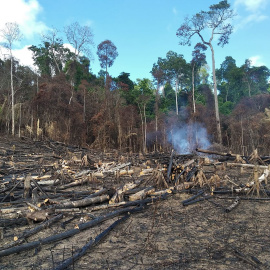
column 69, row 233
column 233, row 205
column 89, row 245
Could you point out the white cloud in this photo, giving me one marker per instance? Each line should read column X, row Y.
column 252, row 5
column 24, row 13
column 256, row 61
column 69, row 46
column 24, row 55
column 253, row 12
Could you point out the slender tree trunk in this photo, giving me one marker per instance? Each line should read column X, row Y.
column 219, row 137
column 142, row 126
column 20, row 121
column 84, row 107
column 156, row 117
column 176, row 97
column 193, row 89
column 12, row 96
column 145, row 131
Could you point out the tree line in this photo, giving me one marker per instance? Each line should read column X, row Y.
column 63, row 100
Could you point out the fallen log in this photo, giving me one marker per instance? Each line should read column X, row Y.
column 162, row 192
column 119, row 194
column 83, row 202
column 89, row 245
column 130, row 203
column 247, row 165
column 192, row 198
column 197, row 200
column 12, row 222
column 98, row 193
column 67, row 234
column 142, row 194
column 216, row 153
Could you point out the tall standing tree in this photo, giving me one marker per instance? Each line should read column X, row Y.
column 177, row 71
column 107, row 52
column 159, row 76
column 199, row 24
column 80, row 37
column 10, row 34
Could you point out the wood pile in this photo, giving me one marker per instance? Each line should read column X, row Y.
column 48, row 183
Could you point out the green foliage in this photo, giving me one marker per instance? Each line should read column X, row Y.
column 226, row 108
column 167, row 101
column 50, row 58
column 76, row 71
column 238, row 82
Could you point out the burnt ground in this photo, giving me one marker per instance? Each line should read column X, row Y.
column 165, row 235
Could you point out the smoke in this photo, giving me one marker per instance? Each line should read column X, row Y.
column 188, row 137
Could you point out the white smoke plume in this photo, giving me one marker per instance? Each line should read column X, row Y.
column 186, row 138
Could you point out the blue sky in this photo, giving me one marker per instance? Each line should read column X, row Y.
column 142, row 30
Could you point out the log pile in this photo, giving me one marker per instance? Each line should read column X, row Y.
column 72, row 184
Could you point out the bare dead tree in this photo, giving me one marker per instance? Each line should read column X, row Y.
column 10, row 34
column 80, row 37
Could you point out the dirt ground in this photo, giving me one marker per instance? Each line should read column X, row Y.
column 165, row 235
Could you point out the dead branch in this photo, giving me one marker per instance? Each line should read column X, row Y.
column 90, row 244
column 67, row 234
column 233, row 205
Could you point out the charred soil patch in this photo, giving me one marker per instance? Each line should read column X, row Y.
column 162, row 233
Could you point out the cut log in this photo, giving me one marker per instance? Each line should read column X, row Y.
column 162, row 192
column 83, row 202
column 119, row 194
column 142, row 194
column 98, row 193
column 128, row 204
column 215, row 153
column 247, row 165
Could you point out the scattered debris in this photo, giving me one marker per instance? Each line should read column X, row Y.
column 40, row 188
